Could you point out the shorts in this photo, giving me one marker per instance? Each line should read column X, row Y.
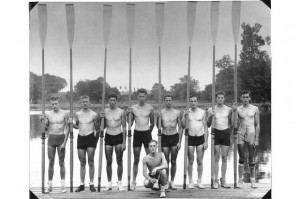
column 113, row 140
column 195, row 140
column 55, row 140
column 222, row 137
column 169, row 140
column 246, row 136
column 87, row 141
column 141, row 137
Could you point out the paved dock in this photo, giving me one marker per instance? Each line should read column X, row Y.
column 141, row 192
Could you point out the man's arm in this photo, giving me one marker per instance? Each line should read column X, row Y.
column 123, row 121
column 66, row 119
column 209, row 117
column 129, row 111
column 164, row 164
column 97, row 123
column 76, row 125
column 151, row 117
column 179, row 131
column 205, row 131
column 145, row 169
column 256, row 125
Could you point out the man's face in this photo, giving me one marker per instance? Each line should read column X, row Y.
column 168, row 101
column 112, row 102
column 193, row 102
column 55, row 105
column 142, row 98
column 152, row 147
column 85, row 103
column 245, row 98
column 220, row 99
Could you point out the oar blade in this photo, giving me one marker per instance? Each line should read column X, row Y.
column 236, row 15
column 159, row 13
column 42, row 14
column 107, row 18
column 70, row 15
column 191, row 15
column 214, row 20
column 130, row 22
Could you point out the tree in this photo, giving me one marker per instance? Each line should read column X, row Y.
column 154, row 92
column 53, row 84
column 179, row 90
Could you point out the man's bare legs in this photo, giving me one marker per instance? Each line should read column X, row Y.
column 51, row 157
column 119, row 158
column 108, row 154
column 200, row 154
column 82, row 159
column 135, row 168
column 91, row 154
column 61, row 157
column 191, row 150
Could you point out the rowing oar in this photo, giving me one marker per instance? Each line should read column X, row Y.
column 107, row 16
column 130, row 30
column 214, row 18
column 159, row 13
column 70, row 15
column 191, row 15
column 42, row 14
column 236, row 13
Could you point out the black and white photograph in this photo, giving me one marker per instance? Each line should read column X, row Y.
column 150, row 99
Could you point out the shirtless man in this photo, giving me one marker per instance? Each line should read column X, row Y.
column 56, row 122
column 142, row 114
column 157, row 165
column 197, row 138
column 87, row 121
column 171, row 139
column 115, row 137
column 222, row 130
column 248, row 135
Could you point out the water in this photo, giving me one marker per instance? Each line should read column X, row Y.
column 263, row 168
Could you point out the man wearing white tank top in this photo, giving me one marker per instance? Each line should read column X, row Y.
column 222, row 130
column 195, row 118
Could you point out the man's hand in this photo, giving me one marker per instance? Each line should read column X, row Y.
column 123, row 147
column 101, row 115
column 70, row 120
column 234, row 106
column 186, row 112
column 211, row 113
column 129, row 110
column 43, row 117
column 154, row 171
column 62, row 146
column 178, row 146
column 152, row 180
column 256, row 143
column 205, row 146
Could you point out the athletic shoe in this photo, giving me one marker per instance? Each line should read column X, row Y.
column 200, row 185
column 109, row 186
column 216, row 184
column 80, row 188
column 167, row 186
column 223, row 183
column 172, row 186
column 191, row 185
column 239, row 184
column 132, row 186
column 120, row 187
column 92, row 188
column 156, row 186
column 48, row 188
column 162, row 194
column 253, row 184
column 63, row 189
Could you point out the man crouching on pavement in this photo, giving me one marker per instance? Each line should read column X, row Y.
column 157, row 165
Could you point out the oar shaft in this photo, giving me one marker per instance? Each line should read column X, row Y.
column 71, row 124
column 129, row 126
column 213, row 121
column 235, row 117
column 159, row 98
column 43, row 123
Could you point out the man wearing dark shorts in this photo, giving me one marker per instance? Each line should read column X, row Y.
column 222, row 130
column 57, row 123
column 115, row 137
column 142, row 113
column 87, row 121
column 157, row 165
column 171, row 139
column 197, row 139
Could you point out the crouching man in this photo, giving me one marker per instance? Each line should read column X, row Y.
column 157, row 165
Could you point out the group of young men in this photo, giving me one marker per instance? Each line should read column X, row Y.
column 196, row 120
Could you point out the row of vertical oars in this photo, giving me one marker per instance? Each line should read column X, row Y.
column 107, row 18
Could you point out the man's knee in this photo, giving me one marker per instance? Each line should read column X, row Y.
column 120, row 162
column 173, row 163
column 163, row 172
column 136, row 160
column 217, row 158
column 224, row 158
column 147, row 183
column 82, row 162
column 199, row 162
column 51, row 163
column 91, row 162
column 61, row 163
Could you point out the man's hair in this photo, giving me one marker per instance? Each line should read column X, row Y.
column 220, row 93
column 193, row 96
column 141, row 90
column 153, row 141
column 168, row 95
column 246, row 92
column 54, row 98
column 84, row 97
column 113, row 95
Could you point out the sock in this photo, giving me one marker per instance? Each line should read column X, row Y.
column 91, row 183
column 62, row 182
column 252, row 180
column 50, row 182
column 240, row 179
column 82, row 183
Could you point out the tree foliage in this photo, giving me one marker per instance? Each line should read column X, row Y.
column 179, row 90
column 155, row 90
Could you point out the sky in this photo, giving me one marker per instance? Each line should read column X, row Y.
column 88, row 46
